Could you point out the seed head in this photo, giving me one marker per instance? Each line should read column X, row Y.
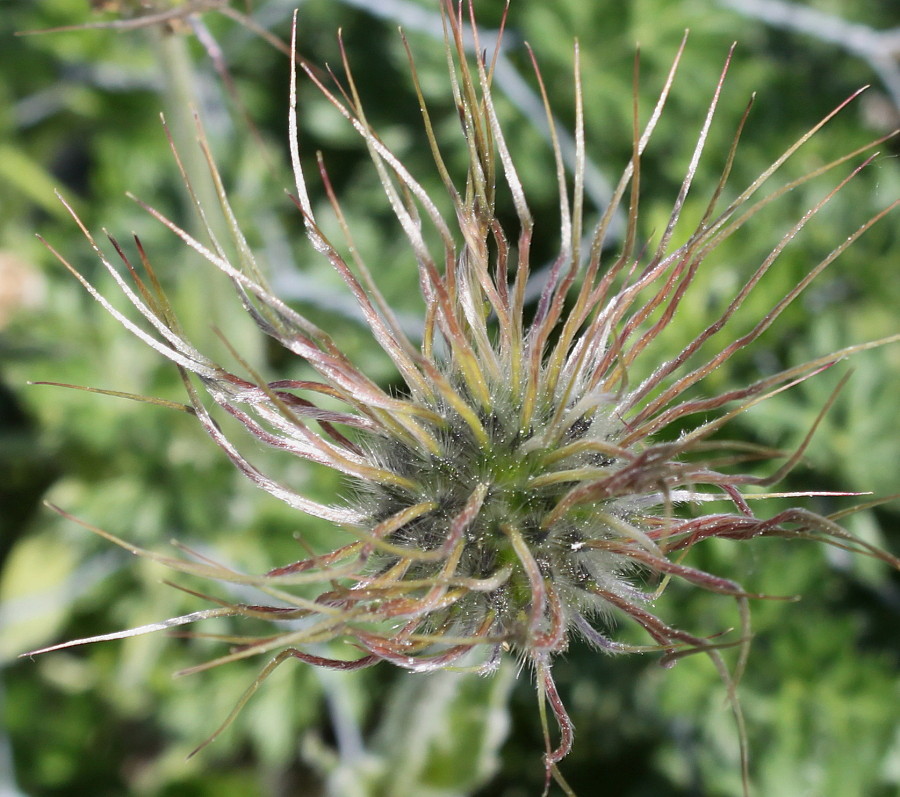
column 519, row 490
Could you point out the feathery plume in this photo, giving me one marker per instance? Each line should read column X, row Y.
column 520, row 490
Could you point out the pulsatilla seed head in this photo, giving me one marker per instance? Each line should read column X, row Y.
column 494, row 521
column 519, row 490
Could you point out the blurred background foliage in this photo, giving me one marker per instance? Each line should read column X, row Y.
column 79, row 111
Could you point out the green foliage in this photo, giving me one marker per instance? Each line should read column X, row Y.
column 79, row 111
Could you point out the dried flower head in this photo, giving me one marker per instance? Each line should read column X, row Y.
column 520, row 490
